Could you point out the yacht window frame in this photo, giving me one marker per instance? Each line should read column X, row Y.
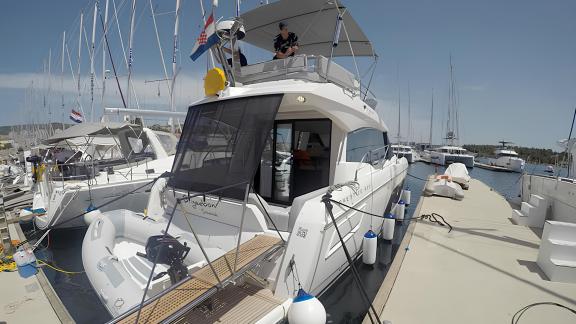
column 292, row 122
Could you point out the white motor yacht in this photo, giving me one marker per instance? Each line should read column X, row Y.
column 256, row 200
column 506, row 157
column 91, row 164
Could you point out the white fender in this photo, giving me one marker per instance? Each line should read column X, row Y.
column 306, row 309
column 369, row 247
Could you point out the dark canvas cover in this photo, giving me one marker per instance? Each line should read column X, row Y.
column 222, row 143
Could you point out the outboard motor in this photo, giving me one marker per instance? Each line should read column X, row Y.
column 168, row 251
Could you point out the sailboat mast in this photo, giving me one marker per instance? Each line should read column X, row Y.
column 174, row 66
column 130, row 48
column 431, row 119
column 92, row 72
column 49, row 91
column 398, row 82
column 409, row 117
column 79, row 54
column 62, row 77
column 104, row 47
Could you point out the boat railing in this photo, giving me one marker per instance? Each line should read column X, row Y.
column 313, row 68
column 373, row 157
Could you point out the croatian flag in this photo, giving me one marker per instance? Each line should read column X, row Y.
column 76, row 116
column 207, row 38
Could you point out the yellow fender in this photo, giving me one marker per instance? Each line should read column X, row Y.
column 214, row 82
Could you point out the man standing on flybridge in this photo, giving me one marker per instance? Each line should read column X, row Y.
column 285, row 43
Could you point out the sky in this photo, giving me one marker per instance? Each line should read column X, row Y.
column 514, row 62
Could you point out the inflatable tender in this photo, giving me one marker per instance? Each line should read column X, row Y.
column 114, row 255
column 459, row 174
column 444, row 186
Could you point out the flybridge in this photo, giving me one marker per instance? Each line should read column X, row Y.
column 325, row 30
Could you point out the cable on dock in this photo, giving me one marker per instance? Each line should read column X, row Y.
column 55, row 268
column 519, row 313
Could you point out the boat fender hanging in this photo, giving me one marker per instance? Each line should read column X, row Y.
column 406, row 195
column 369, row 247
column 400, row 210
column 214, row 81
column 306, row 309
column 388, row 227
column 92, row 214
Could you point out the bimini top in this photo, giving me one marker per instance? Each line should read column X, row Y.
column 313, row 21
column 88, row 129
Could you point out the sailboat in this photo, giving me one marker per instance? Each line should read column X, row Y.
column 280, row 173
column 106, row 159
column 452, row 152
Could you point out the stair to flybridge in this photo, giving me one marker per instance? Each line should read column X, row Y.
column 557, row 253
column 531, row 213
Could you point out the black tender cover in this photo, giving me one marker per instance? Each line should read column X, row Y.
column 222, row 144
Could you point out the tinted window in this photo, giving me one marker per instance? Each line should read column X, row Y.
column 364, row 140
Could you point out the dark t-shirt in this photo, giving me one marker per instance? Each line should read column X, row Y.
column 282, row 45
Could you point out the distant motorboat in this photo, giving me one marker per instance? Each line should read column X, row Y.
column 549, row 169
column 506, row 157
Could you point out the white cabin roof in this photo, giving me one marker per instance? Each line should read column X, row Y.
column 506, row 151
column 313, row 21
column 348, row 111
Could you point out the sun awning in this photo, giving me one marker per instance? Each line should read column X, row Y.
column 88, row 129
column 313, row 21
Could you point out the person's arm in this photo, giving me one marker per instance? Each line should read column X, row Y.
column 281, row 55
column 295, row 46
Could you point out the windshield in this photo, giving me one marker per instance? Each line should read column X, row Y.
column 222, row 144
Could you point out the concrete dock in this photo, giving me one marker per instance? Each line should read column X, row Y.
column 29, row 300
column 483, row 271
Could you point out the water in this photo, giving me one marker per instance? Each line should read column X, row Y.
column 64, row 250
column 343, row 301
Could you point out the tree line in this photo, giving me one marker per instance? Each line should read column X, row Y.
column 529, row 154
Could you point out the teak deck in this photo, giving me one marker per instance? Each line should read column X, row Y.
column 166, row 305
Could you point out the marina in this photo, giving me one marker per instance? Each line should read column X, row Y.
column 485, row 253
column 255, row 162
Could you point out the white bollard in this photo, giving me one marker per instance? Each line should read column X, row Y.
column 369, row 247
column 405, row 196
column 400, row 210
column 388, row 227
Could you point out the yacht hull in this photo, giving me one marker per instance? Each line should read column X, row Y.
column 559, row 193
column 510, row 163
column 446, row 159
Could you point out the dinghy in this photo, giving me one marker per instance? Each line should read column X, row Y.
column 444, row 186
column 459, row 174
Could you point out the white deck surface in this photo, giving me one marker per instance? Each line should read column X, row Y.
column 24, row 301
column 482, row 272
